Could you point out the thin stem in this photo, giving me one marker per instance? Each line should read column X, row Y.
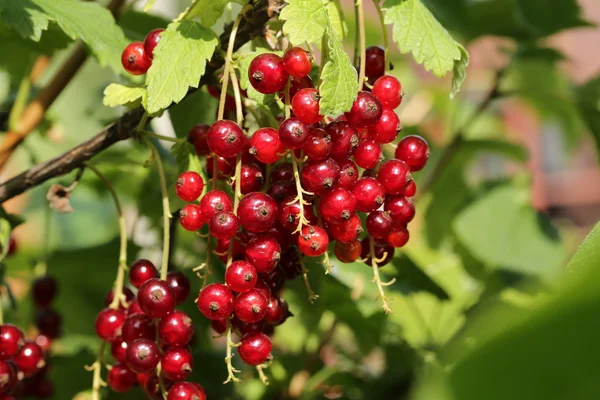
column 287, row 100
column 356, row 38
column 163, row 137
column 299, row 197
column 19, row 104
column 363, row 46
column 384, row 33
column 239, row 113
column 312, row 296
column 96, row 367
column 206, row 265
column 230, row 345
column 1, row 309
column 187, row 11
column 261, row 375
column 166, row 211
column 326, row 262
column 376, row 277
column 118, row 289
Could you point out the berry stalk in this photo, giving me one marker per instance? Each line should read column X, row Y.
column 384, row 32
column 312, row 296
column 363, row 46
column 376, row 277
column 231, row 371
column 96, row 367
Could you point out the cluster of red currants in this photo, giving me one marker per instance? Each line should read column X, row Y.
column 137, row 56
column 149, row 338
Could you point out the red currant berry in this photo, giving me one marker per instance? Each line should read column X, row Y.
column 190, row 217
column 320, row 176
column 410, row 190
column 368, row 154
column 152, row 387
column 344, row 138
column 266, row 145
column 251, row 179
column 134, row 59
column 394, row 175
column 401, row 209
column 257, row 212
column 250, row 306
column 44, row 290
column 48, row 322
column 375, row 63
column 134, row 308
column 293, row 133
column 263, row 287
column 296, row 85
column 109, row 323
column 121, row 379
column 366, row 110
column 267, row 73
column 151, row 41
column 414, row 151
column 348, row 174
column 398, row 236
column 275, row 280
column 176, row 363
column 129, row 297
column 389, row 91
column 242, row 328
column 347, row 252
column 369, row 194
column 214, row 202
column 281, row 191
column 118, row 349
column 180, row 286
column 379, row 224
column 281, row 173
column 141, row 271
column 387, row 128
column 297, row 62
column 138, row 326
column 219, row 326
column 175, row 329
column 142, row 355
column 346, row 231
column 305, row 105
column 197, row 137
column 30, row 359
column 225, row 138
column 189, row 186
column 223, row 225
column 215, row 301
column 263, row 252
column 337, row 205
column 185, row 391
column 318, row 145
column 8, row 379
column 156, row 298
column 277, row 311
column 241, row 276
column 225, row 167
column 313, row 241
column 380, row 251
column 290, row 213
column 255, row 348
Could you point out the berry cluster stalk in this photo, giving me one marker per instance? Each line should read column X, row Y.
column 376, row 277
column 363, row 46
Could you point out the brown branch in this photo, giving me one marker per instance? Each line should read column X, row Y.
column 252, row 25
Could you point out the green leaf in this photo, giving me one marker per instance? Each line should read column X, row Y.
column 208, row 11
column 459, row 72
column 336, row 18
column 179, row 63
column 305, row 21
column 243, row 64
column 503, row 230
column 186, row 157
column 116, row 94
column 416, row 30
column 25, row 17
column 411, row 279
column 149, row 5
column 587, row 255
column 199, row 107
column 547, row 17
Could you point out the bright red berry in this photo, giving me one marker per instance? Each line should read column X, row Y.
column 255, row 348
column 189, row 186
column 190, row 217
column 366, row 110
column 386, row 129
column 297, row 62
column 185, row 391
column 197, row 137
column 121, row 379
column 252, row 179
column 368, row 154
column 176, row 363
column 156, row 298
column 118, row 349
column 44, row 290
column 398, row 236
column 151, row 41
column 225, row 138
column 401, row 209
column 344, row 139
column 375, row 63
column 250, row 306
column 215, row 301
column 257, row 212
column 337, row 205
column 348, row 174
column 142, row 355
column 138, row 326
column 369, row 194
column 241, row 276
column 30, row 358
column 346, row 231
column 293, row 133
column 318, row 145
column 267, row 73
column 180, row 286
column 277, row 312
column 410, row 190
column 223, row 225
column 266, row 145
column 389, row 91
column 134, row 59
column 263, row 252
column 305, row 106
column 320, row 176
column 175, row 329
column 379, row 224
column 141, row 271
column 394, row 175
column 313, row 241
column 414, row 151
column 109, row 323
column 214, row 202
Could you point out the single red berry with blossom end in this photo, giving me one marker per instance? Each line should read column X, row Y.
column 277, row 311
column 138, row 326
column 266, row 145
column 175, row 329
column 214, row 202
column 410, row 190
column 109, row 323
column 401, row 209
column 375, row 63
column 346, row 231
column 366, row 110
column 190, row 217
column 263, row 252
column 189, row 186
column 134, row 59
column 250, row 306
column 379, row 224
column 289, row 214
column 118, row 349
column 176, row 363
column 380, row 252
column 223, row 225
column 8, row 379
column 318, row 145
column 297, row 62
column 369, row 194
column 344, row 139
column 313, row 241
column 121, row 379
column 185, row 391
column 293, row 133
column 305, row 106
column 142, row 355
column 257, row 212
column 197, row 137
column 180, row 286
column 389, row 91
column 267, row 73
column 225, row 138
column 251, row 178
column 348, row 174
column 394, row 175
column 387, row 128
column 141, row 271
column 398, row 236
column 156, row 298
column 337, row 205
column 414, row 151
column 241, row 276
column 30, row 358
column 255, row 348
column 215, row 301
column 225, row 167
column 151, row 42
column 320, row 176
column 44, row 290
column 347, row 252
column 368, row 154
column 282, row 173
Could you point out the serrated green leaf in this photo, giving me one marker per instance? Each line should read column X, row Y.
column 25, row 17
column 186, row 157
column 459, row 72
column 305, row 20
column 196, row 108
column 116, row 94
column 587, row 255
column 179, row 63
column 149, row 5
column 243, row 64
column 416, row 30
column 336, row 18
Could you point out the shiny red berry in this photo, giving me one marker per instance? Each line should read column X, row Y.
column 293, row 133
column 257, row 212
column 410, row 190
column 320, row 176
column 318, row 145
column 313, row 241
column 250, row 306
column 263, row 252
column 118, row 349
column 180, row 286
column 225, row 167
column 138, row 326
column 366, row 110
column 197, row 137
column 134, row 59
column 176, row 363
column 368, row 154
column 214, row 202
column 305, row 106
column 121, row 379
column 225, row 138
column 175, row 329
column 266, row 145
column 185, row 391
column 379, row 224
column 283, row 172
column 297, row 62
column 109, row 323
column 252, row 179
column 369, row 194
column 348, row 174
column 267, row 73
column 277, row 312
column 386, row 129
column 223, row 225
column 189, row 186
column 337, row 205
column 8, row 379
column 142, row 355
column 30, row 359
column 141, row 271
column 48, row 322
column 414, row 151
column 398, row 236
column 394, row 175
column 241, row 276
column 344, row 139
column 156, row 298
column 389, row 91
column 151, row 41
column 215, row 301
column 347, row 252
column 375, row 63
column 380, row 252
column 44, row 290
column 190, row 217
column 255, row 348
column 346, row 231
column 401, row 209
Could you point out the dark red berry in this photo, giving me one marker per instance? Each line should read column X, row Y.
column 266, row 145
column 127, row 293
column 387, row 128
column 318, row 145
column 277, row 311
column 242, row 328
column 255, row 348
column 118, row 349
column 189, row 186
column 263, row 252
column 141, row 271
column 120, row 378
column 380, row 252
column 134, row 308
column 368, row 154
column 297, row 85
column 289, row 214
column 257, row 212
column 320, row 176
column 410, row 190
column 225, row 167
column 346, row 231
column 180, row 286
column 280, row 173
column 8, row 379
column 337, row 205
column 414, row 151
column 347, row 252
column 185, row 391
column 274, row 280
column 134, row 59
column 109, row 323
column 389, row 91
column 348, row 174
column 398, row 236
column 344, row 139
column 190, row 217
column 197, row 137
column 313, row 241
column 44, row 290
column 267, row 73
column 375, row 63
column 290, row 263
column 241, row 276
column 12, row 246
column 219, row 326
column 379, row 224
column 30, row 358
column 151, row 41
column 142, row 355
column 305, row 106
column 401, row 209
column 138, row 326
column 263, row 287
column 152, row 387
column 215, row 301
column 250, row 306
column 394, row 175
column 369, row 194
column 223, row 225
column 293, row 133
column 225, row 138
column 156, row 298
column 366, row 110
column 48, row 322
column 176, row 363
column 214, row 202
column 252, row 179
column 175, row 329
column 297, row 62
